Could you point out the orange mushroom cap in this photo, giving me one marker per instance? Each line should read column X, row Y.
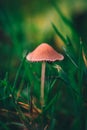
column 44, row 52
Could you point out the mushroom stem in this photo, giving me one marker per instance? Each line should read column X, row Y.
column 42, row 83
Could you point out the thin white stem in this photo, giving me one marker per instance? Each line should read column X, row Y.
column 42, row 83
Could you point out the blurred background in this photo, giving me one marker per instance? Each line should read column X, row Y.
column 24, row 24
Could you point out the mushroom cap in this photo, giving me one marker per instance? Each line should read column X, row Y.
column 44, row 52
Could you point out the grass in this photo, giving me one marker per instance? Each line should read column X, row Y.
column 65, row 82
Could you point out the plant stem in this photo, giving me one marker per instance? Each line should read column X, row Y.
column 42, row 83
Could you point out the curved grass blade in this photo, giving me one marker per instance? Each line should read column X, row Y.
column 17, row 74
column 66, row 20
column 58, row 33
column 71, row 59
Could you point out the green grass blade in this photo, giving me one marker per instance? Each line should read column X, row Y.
column 17, row 74
column 53, row 123
column 71, row 59
column 58, row 33
column 80, row 66
column 16, row 124
column 80, row 99
column 66, row 20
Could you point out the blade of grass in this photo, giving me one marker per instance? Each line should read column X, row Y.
column 80, row 99
column 58, row 33
column 52, row 101
column 22, row 116
column 70, row 58
column 17, row 75
column 63, row 76
column 80, row 67
column 53, row 122
column 53, row 83
column 66, row 20
column 16, row 124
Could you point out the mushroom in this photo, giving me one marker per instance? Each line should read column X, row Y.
column 43, row 53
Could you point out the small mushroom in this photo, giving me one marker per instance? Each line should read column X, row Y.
column 43, row 53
